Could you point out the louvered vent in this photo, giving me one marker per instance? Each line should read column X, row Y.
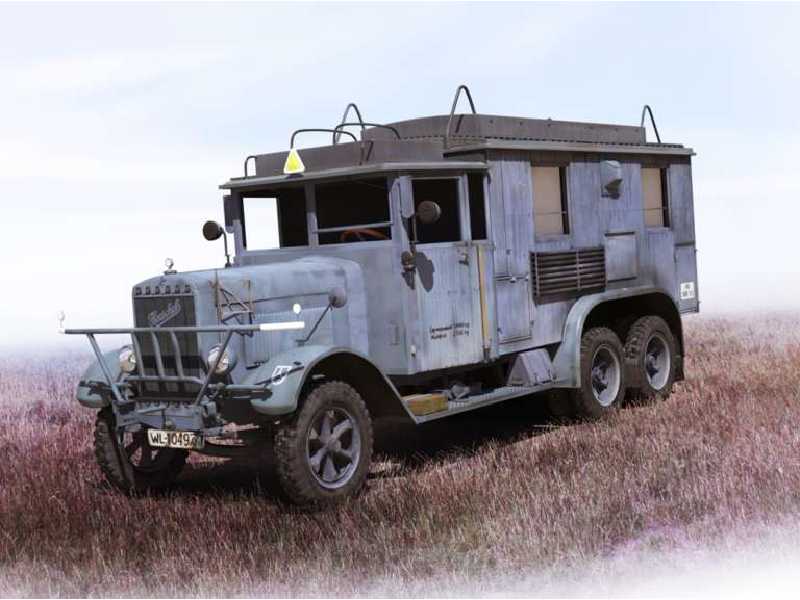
column 570, row 272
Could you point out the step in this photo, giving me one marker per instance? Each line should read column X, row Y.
column 475, row 401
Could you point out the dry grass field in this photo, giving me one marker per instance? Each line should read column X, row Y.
column 500, row 493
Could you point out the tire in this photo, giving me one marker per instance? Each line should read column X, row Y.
column 123, row 459
column 602, row 375
column 315, row 464
column 651, row 358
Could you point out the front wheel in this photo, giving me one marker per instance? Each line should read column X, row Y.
column 127, row 460
column 323, row 455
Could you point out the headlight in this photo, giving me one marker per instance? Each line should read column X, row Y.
column 127, row 359
column 226, row 363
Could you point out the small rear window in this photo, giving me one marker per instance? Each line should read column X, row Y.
column 656, row 202
column 550, row 215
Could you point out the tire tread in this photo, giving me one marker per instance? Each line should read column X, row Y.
column 584, row 404
column 296, row 484
column 638, row 334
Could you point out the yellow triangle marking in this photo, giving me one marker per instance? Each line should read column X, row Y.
column 294, row 164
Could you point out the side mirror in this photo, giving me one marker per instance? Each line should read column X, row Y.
column 428, row 212
column 212, row 230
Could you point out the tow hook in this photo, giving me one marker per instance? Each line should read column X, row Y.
column 209, row 409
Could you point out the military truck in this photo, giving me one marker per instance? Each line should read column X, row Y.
column 423, row 268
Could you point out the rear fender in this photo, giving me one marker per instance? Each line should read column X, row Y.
column 567, row 361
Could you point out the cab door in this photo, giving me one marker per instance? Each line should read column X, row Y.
column 449, row 292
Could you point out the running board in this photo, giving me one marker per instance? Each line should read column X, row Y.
column 481, row 400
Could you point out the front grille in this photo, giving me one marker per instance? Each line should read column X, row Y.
column 568, row 273
column 175, row 310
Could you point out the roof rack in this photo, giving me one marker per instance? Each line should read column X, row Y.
column 473, row 130
column 294, row 135
column 335, row 132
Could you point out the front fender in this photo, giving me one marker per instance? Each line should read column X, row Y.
column 87, row 392
column 283, row 377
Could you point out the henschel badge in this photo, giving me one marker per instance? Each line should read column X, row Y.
column 158, row 317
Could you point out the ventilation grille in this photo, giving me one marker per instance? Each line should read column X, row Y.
column 569, row 272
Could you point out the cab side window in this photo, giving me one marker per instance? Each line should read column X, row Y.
column 353, row 211
column 443, row 192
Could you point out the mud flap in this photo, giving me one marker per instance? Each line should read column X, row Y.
column 686, row 272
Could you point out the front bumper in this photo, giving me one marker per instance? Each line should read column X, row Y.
column 199, row 413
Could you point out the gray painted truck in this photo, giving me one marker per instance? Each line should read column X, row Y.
column 420, row 269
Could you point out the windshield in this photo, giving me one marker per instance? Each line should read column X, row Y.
column 274, row 218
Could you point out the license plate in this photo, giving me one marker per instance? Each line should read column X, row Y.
column 174, row 439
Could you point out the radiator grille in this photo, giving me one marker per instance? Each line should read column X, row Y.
column 174, row 311
column 571, row 272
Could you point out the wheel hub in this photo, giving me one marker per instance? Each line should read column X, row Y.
column 333, row 447
column 600, row 377
column 605, row 375
column 657, row 361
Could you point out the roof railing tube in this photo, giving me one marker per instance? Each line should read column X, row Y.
column 322, row 130
column 460, row 88
column 247, row 160
column 645, row 110
column 362, row 123
column 338, row 134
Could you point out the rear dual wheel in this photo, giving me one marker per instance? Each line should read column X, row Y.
column 651, row 358
column 602, row 375
column 646, row 364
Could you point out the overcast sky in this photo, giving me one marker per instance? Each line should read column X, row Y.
column 118, row 122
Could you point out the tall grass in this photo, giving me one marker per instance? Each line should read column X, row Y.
column 723, row 452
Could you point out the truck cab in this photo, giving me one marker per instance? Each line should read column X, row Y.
column 418, row 269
